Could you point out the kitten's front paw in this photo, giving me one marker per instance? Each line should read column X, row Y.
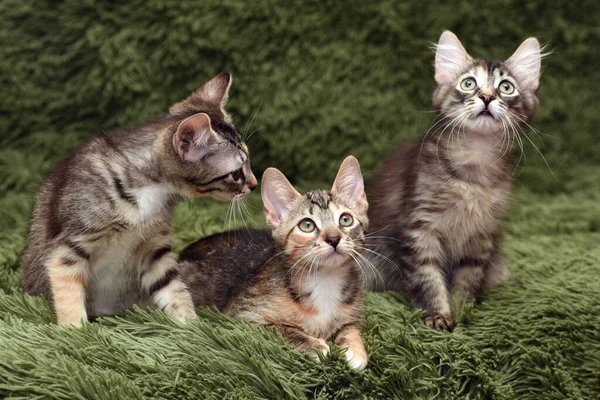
column 440, row 322
column 319, row 347
column 184, row 314
column 356, row 360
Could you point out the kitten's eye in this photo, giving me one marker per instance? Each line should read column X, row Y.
column 468, row 84
column 506, row 87
column 236, row 175
column 346, row 220
column 307, row 225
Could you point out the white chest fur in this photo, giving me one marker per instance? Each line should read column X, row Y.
column 152, row 200
column 326, row 294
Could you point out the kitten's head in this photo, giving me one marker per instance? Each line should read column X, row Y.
column 212, row 159
column 486, row 96
column 324, row 226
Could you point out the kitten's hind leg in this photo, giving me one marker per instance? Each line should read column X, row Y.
column 348, row 337
column 160, row 279
column 303, row 342
column 68, row 274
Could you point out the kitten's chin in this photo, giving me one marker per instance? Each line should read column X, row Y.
column 333, row 259
column 226, row 196
column 484, row 123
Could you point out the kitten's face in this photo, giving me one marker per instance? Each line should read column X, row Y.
column 322, row 229
column 485, row 96
column 213, row 159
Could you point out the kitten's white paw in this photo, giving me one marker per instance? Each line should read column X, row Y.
column 321, row 348
column 185, row 315
column 358, row 361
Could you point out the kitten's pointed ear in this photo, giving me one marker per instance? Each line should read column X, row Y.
column 526, row 63
column 212, row 95
column 349, row 185
column 193, row 137
column 278, row 196
column 451, row 58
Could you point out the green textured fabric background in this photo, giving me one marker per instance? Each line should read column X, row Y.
column 331, row 79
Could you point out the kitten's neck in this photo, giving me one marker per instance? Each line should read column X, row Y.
column 482, row 157
column 142, row 159
column 303, row 279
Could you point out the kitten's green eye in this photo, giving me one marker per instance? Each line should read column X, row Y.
column 346, row 220
column 307, row 225
column 506, row 87
column 468, row 84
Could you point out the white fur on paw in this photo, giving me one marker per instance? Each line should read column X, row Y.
column 356, row 361
column 322, row 349
column 185, row 315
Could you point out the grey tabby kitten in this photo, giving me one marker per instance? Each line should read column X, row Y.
column 304, row 277
column 439, row 202
column 100, row 239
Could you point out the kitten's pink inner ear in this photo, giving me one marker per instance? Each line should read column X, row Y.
column 451, row 58
column 278, row 196
column 349, row 185
column 212, row 95
column 193, row 137
column 526, row 63
column 216, row 91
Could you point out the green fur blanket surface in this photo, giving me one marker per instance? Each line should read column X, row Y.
column 314, row 81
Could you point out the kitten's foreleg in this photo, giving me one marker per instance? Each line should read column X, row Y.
column 303, row 342
column 468, row 280
column 348, row 337
column 428, row 290
column 474, row 274
column 425, row 276
column 162, row 282
column 68, row 273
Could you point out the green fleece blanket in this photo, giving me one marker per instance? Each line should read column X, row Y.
column 319, row 80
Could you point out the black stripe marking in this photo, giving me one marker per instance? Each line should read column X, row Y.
column 80, row 251
column 209, row 190
column 470, row 262
column 298, row 298
column 195, row 182
column 162, row 282
column 122, row 193
column 350, row 292
column 69, row 261
column 158, row 254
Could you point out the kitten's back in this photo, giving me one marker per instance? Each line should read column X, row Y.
column 217, row 267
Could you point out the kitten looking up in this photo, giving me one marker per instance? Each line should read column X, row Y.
column 439, row 201
column 100, row 238
column 303, row 278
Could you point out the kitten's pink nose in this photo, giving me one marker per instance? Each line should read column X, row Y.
column 333, row 240
column 486, row 98
column 251, row 181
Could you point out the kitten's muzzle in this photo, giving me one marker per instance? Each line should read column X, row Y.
column 486, row 99
column 333, row 240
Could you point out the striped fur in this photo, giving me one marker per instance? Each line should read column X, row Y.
column 437, row 205
column 100, row 238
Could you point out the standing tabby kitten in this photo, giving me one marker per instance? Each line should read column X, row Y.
column 100, row 239
column 303, row 279
column 439, row 201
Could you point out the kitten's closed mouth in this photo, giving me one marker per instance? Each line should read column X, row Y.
column 486, row 113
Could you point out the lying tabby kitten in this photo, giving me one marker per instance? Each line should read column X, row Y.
column 302, row 279
column 440, row 200
column 100, row 238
